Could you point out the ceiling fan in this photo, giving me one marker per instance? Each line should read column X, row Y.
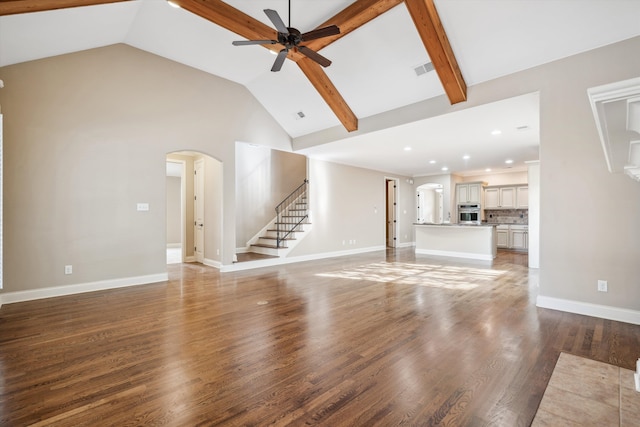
column 291, row 38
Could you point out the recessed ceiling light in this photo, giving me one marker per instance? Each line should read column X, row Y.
column 496, row 132
column 487, row 170
column 172, row 4
column 432, row 162
column 444, row 168
column 407, row 148
column 466, row 157
column 508, row 161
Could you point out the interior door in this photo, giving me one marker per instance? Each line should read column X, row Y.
column 391, row 213
column 198, row 191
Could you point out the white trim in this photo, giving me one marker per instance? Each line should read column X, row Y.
column 57, row 291
column 396, row 209
column 174, row 245
column 588, row 309
column 248, row 265
column 468, row 255
column 406, row 245
column 190, row 259
column 600, row 95
column 212, row 263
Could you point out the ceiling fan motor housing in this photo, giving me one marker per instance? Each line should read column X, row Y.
column 290, row 40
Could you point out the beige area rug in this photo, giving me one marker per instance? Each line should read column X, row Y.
column 583, row 392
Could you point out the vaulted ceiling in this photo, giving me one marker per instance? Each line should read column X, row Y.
column 377, row 58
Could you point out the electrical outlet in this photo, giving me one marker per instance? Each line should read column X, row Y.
column 602, row 286
column 68, row 269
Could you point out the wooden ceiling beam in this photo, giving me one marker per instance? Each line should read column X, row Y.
column 13, row 7
column 230, row 18
column 427, row 22
column 250, row 28
column 329, row 93
column 353, row 17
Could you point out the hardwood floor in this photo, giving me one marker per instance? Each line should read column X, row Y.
column 386, row 338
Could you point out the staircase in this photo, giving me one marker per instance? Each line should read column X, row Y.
column 287, row 228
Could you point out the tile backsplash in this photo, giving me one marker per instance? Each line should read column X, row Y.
column 506, row 216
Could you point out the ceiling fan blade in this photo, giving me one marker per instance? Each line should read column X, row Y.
column 331, row 30
column 282, row 55
column 315, row 56
column 249, row 42
column 277, row 21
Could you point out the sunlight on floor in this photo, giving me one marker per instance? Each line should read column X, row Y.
column 436, row 276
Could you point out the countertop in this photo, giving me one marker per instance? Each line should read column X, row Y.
column 429, row 224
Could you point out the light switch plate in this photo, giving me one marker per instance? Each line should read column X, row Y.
column 602, row 285
column 143, row 206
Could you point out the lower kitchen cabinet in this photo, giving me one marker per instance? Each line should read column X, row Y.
column 512, row 236
column 502, row 236
column 518, row 237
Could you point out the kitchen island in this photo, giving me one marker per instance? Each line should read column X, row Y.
column 454, row 240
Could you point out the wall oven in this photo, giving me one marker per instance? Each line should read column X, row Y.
column 469, row 214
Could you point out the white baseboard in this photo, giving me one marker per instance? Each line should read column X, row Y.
column 56, row 291
column 212, row 263
column 588, row 309
column 289, row 260
column 190, row 259
column 174, row 245
column 467, row 255
column 406, row 245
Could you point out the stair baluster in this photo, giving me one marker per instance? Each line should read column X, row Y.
column 288, row 214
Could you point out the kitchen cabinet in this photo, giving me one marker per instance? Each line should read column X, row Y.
column 506, row 197
column 522, row 197
column 491, row 198
column 470, row 192
column 513, row 236
column 502, row 236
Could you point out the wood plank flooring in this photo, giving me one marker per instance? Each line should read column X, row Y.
column 386, row 338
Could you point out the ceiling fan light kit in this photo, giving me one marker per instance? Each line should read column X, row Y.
column 291, row 38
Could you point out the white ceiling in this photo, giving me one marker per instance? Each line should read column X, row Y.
column 372, row 67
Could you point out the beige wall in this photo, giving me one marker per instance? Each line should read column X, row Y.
column 213, row 208
column 264, row 177
column 85, row 139
column 347, row 204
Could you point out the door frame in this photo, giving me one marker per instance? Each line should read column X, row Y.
column 396, row 196
column 183, row 204
column 198, row 190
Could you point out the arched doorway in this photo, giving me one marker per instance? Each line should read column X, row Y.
column 430, row 203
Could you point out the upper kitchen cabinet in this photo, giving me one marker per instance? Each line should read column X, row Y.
column 522, row 197
column 506, row 197
column 469, row 192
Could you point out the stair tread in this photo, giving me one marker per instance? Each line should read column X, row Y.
column 275, row 238
column 264, row 245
